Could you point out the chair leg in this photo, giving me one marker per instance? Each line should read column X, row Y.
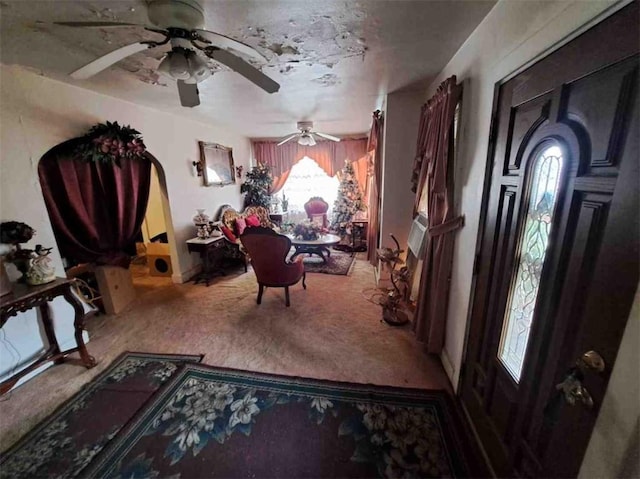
column 286, row 296
column 260, row 291
column 304, row 277
column 245, row 264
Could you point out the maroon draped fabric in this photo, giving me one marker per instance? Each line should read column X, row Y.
column 374, row 147
column 96, row 209
column 329, row 155
column 434, row 167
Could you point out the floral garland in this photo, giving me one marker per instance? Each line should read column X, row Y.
column 109, row 142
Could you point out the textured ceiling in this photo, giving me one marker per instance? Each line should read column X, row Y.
column 334, row 60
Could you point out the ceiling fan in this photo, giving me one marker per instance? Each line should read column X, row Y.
column 181, row 22
column 306, row 136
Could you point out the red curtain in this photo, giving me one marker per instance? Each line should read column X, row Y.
column 374, row 147
column 329, row 155
column 278, row 182
column 96, row 209
column 433, row 169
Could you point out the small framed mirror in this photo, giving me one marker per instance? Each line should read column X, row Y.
column 217, row 164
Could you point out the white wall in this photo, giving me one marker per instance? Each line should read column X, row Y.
column 401, row 120
column 37, row 113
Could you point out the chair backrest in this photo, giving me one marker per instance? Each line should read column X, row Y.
column 228, row 215
column 268, row 251
column 316, row 209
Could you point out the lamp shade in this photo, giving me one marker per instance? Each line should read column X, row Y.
column 198, row 68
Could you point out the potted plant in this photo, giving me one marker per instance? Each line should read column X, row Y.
column 13, row 234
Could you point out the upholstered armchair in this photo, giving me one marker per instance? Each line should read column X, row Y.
column 228, row 216
column 316, row 209
column 268, row 251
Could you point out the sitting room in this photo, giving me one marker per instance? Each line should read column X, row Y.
column 292, row 238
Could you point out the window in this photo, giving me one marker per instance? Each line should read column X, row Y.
column 307, row 179
column 534, row 239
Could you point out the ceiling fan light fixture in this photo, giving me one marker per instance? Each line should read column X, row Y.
column 179, row 66
column 306, row 140
column 198, row 68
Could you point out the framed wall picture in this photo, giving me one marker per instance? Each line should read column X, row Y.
column 217, row 164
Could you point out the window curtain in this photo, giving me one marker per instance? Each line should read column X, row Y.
column 433, row 169
column 279, row 181
column 374, row 148
column 361, row 172
column 329, row 155
column 96, row 209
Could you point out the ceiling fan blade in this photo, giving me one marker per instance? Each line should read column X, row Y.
column 107, row 60
column 188, row 94
column 97, row 24
column 288, row 139
column 243, row 68
column 228, row 43
column 328, row 137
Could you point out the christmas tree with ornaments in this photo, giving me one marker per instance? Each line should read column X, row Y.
column 348, row 202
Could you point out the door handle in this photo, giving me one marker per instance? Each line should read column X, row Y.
column 572, row 388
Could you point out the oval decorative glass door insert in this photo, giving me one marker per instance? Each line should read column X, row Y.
column 534, row 238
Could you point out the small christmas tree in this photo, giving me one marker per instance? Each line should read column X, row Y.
column 348, row 202
column 257, row 185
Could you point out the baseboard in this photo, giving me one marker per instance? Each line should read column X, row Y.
column 184, row 276
column 448, row 368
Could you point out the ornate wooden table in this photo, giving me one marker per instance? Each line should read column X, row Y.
column 318, row 246
column 211, row 251
column 25, row 297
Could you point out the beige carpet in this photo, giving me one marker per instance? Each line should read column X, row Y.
column 330, row 332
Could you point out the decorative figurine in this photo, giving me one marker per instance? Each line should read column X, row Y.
column 41, row 270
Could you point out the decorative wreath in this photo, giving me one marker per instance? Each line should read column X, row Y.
column 109, row 142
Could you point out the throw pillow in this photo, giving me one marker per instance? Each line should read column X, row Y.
column 253, row 220
column 241, row 225
column 228, row 233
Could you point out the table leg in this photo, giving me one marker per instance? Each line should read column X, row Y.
column 51, row 335
column 205, row 266
column 88, row 360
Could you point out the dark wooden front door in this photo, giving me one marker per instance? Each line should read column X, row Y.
column 558, row 262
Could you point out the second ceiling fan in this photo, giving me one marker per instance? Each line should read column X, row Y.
column 305, row 136
column 181, row 21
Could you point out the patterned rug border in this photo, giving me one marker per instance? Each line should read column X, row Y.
column 450, row 427
column 87, row 390
column 349, row 271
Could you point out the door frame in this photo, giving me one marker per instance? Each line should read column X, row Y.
column 486, row 191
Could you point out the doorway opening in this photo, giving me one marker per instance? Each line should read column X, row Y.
column 153, row 264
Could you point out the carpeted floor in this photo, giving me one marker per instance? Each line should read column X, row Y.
column 330, row 332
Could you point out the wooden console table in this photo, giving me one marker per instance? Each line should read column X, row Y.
column 25, row 297
column 212, row 252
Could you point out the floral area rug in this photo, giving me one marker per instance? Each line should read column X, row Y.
column 64, row 443
column 211, row 422
column 338, row 263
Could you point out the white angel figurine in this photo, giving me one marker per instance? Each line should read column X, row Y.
column 41, row 270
